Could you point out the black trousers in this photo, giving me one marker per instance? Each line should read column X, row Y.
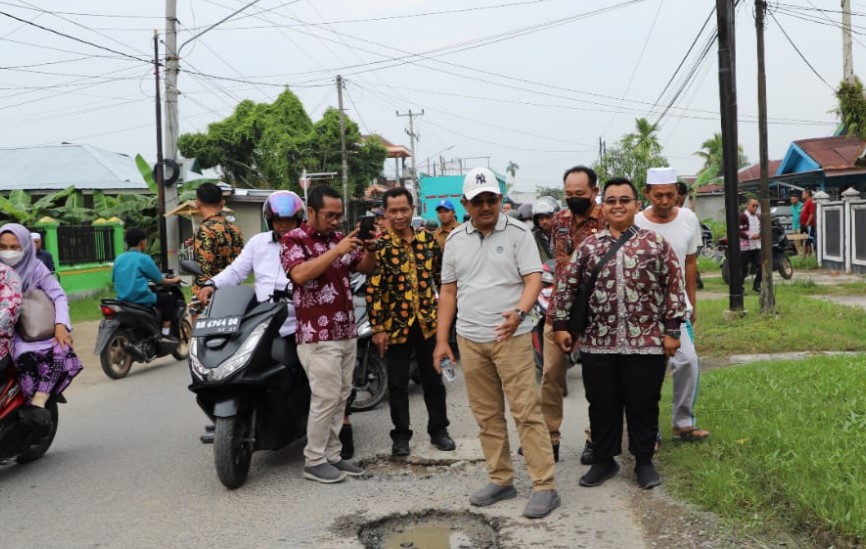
column 397, row 358
column 617, row 383
column 165, row 304
column 752, row 257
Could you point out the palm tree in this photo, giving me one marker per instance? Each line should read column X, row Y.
column 712, row 150
column 512, row 169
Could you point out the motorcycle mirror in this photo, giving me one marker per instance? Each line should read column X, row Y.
column 191, row 267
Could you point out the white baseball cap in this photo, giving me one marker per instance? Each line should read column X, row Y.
column 480, row 180
column 661, row 176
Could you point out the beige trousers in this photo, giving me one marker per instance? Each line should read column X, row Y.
column 494, row 371
column 552, row 384
column 329, row 366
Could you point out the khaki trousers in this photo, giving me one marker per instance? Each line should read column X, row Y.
column 494, row 371
column 552, row 384
column 329, row 366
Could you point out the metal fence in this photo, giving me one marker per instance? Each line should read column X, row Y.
column 79, row 244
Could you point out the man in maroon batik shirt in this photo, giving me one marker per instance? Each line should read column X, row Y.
column 319, row 260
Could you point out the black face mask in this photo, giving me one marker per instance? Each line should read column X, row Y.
column 579, row 205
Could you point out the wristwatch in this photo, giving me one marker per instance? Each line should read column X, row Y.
column 673, row 333
column 520, row 314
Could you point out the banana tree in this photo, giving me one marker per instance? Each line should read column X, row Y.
column 20, row 208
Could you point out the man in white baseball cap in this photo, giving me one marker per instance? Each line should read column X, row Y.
column 681, row 228
column 492, row 270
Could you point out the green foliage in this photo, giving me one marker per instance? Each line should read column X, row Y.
column 712, row 153
column 268, row 145
column 511, row 169
column 635, row 153
column 852, row 108
column 789, row 454
column 719, row 228
column 556, row 192
column 20, row 208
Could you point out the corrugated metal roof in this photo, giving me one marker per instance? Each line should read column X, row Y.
column 55, row 167
column 753, row 172
column 833, row 153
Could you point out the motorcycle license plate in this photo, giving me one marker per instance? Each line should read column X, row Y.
column 216, row 326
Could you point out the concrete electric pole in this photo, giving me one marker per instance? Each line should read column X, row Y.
column 847, row 48
column 343, row 154
column 172, row 227
column 414, row 137
column 768, row 299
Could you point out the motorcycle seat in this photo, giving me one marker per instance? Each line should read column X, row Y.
column 283, row 352
column 131, row 306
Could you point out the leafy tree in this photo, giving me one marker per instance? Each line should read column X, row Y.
column 268, row 145
column 556, row 192
column 852, row 108
column 19, row 207
column 633, row 155
column 711, row 152
column 512, row 169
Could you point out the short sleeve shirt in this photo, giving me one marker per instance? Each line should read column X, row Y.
column 132, row 271
column 323, row 305
column 217, row 243
column 489, row 271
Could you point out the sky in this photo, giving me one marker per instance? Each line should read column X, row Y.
column 534, row 82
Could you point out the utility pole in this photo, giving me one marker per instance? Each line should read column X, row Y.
column 414, row 137
column 172, row 227
column 343, row 150
column 847, row 48
column 768, row 299
column 163, row 245
column 728, row 110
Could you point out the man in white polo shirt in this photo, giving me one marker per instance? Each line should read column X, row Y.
column 682, row 230
column 491, row 268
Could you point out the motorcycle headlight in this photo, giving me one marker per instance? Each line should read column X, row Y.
column 195, row 364
column 242, row 356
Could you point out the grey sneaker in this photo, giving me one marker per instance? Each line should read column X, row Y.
column 324, row 473
column 349, row 468
column 492, row 493
column 541, row 504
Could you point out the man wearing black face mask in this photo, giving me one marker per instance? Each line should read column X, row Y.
column 570, row 226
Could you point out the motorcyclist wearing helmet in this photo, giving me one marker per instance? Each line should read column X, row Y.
column 542, row 223
column 282, row 211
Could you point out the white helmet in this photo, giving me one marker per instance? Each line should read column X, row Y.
column 546, row 205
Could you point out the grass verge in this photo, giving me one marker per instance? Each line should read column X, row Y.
column 786, row 448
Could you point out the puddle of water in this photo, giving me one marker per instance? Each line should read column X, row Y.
column 421, row 537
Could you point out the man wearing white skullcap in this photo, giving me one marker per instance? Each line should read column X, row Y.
column 42, row 255
column 682, row 230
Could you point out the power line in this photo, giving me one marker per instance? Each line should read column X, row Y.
column 803, row 57
column 9, row 15
column 79, row 14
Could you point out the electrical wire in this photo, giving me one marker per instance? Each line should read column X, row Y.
column 803, row 57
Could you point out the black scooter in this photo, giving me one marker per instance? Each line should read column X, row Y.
column 131, row 333
column 782, row 248
column 246, row 378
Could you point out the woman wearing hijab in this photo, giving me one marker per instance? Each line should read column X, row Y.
column 45, row 367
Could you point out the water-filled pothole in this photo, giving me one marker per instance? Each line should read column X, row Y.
column 431, row 529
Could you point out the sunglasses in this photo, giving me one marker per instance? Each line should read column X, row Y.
column 622, row 201
column 489, row 201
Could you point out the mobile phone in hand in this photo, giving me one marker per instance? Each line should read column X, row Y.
column 366, row 231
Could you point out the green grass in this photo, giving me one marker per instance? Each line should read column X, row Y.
column 787, row 448
column 802, row 323
column 85, row 309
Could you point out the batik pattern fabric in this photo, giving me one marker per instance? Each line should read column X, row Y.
column 323, row 305
column 10, row 308
column 401, row 291
column 567, row 234
column 49, row 371
column 217, row 243
column 637, row 296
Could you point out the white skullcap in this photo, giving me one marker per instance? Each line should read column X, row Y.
column 36, row 236
column 661, row 176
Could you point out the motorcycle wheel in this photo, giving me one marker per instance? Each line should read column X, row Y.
column 115, row 361
column 786, row 270
column 231, row 450
column 38, row 449
column 709, row 251
column 371, row 393
column 182, row 351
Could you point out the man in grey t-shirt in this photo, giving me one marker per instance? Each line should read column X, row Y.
column 492, row 269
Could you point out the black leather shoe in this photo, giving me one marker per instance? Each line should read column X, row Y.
column 647, row 476
column 443, row 442
column 599, row 472
column 400, row 448
column 348, row 442
column 587, row 457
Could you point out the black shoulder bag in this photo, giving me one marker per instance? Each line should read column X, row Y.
column 579, row 317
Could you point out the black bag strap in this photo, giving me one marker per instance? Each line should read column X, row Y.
column 610, row 253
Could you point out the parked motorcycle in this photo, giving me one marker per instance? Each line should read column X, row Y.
column 370, row 377
column 246, row 378
column 20, row 438
column 782, row 249
column 538, row 315
column 131, row 333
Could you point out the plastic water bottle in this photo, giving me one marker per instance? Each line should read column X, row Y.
column 448, row 369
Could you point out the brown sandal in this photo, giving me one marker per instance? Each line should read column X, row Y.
column 690, row 434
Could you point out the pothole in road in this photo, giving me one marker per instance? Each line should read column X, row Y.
column 417, row 466
column 431, row 529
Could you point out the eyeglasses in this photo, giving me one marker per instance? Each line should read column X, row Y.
column 489, row 201
column 622, row 201
column 332, row 216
